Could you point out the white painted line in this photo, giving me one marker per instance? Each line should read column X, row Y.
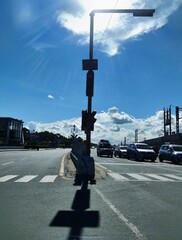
column 112, row 163
column 158, row 177
column 173, row 176
column 130, row 225
column 139, row 177
column 48, row 178
column 26, row 178
column 4, row 164
column 118, row 177
column 8, row 177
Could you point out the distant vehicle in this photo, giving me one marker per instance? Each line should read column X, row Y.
column 104, row 141
column 120, row 151
column 170, row 152
column 141, row 151
column 31, row 146
column 104, row 148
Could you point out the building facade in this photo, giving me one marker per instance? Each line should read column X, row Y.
column 11, row 131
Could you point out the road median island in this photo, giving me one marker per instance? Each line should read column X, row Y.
column 70, row 169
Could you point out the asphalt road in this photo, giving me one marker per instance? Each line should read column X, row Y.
column 137, row 200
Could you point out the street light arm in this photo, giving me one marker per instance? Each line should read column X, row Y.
column 135, row 12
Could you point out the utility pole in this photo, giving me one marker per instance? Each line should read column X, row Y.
column 92, row 64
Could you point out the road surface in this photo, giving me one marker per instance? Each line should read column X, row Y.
column 137, row 200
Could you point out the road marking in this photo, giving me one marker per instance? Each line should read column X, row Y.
column 61, row 172
column 118, row 177
column 139, row 177
column 8, row 177
column 158, row 177
column 144, row 177
column 125, row 164
column 4, row 164
column 173, row 176
column 26, row 178
column 129, row 224
column 48, row 178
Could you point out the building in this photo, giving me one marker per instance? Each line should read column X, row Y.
column 11, row 131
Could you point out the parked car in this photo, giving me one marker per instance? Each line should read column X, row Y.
column 170, row 152
column 141, row 151
column 120, row 151
column 104, row 148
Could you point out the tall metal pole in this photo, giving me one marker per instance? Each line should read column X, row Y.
column 136, row 13
column 89, row 108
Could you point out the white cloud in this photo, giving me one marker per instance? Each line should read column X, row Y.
column 112, row 125
column 41, row 46
column 50, row 96
column 117, row 28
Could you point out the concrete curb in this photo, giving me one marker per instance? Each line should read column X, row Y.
column 68, row 169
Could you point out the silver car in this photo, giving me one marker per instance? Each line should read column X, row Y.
column 170, row 152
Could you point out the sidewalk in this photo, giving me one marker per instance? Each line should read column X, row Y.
column 11, row 148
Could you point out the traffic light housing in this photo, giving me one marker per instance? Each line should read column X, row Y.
column 88, row 121
column 84, row 120
column 92, row 120
column 90, row 83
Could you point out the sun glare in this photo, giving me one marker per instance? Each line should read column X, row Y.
column 103, row 21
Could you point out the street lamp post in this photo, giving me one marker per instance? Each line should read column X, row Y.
column 91, row 61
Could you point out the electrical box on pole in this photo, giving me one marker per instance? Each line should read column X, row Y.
column 90, row 83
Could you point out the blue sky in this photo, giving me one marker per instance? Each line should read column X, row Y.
column 43, row 43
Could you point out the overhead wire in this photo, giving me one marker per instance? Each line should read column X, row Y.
column 99, row 44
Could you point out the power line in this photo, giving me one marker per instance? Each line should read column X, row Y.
column 98, row 46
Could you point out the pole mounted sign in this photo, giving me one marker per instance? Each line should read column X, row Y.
column 90, row 64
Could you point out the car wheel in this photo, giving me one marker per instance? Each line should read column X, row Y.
column 173, row 160
column 152, row 160
column 136, row 158
column 160, row 159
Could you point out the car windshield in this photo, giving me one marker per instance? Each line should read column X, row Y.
column 141, row 146
column 105, row 145
column 177, row 148
column 123, row 147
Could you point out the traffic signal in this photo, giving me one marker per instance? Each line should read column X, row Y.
column 84, row 120
column 90, row 83
column 92, row 120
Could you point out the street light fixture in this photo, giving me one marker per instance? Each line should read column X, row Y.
column 91, row 64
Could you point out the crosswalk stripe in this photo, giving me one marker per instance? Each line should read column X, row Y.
column 173, row 176
column 48, row 178
column 139, row 177
column 158, row 177
column 118, row 177
column 26, row 178
column 144, row 177
column 7, row 177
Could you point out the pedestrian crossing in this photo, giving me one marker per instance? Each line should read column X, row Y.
column 146, row 177
column 137, row 177
column 28, row 178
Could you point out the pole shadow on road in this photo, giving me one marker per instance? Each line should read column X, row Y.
column 77, row 218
